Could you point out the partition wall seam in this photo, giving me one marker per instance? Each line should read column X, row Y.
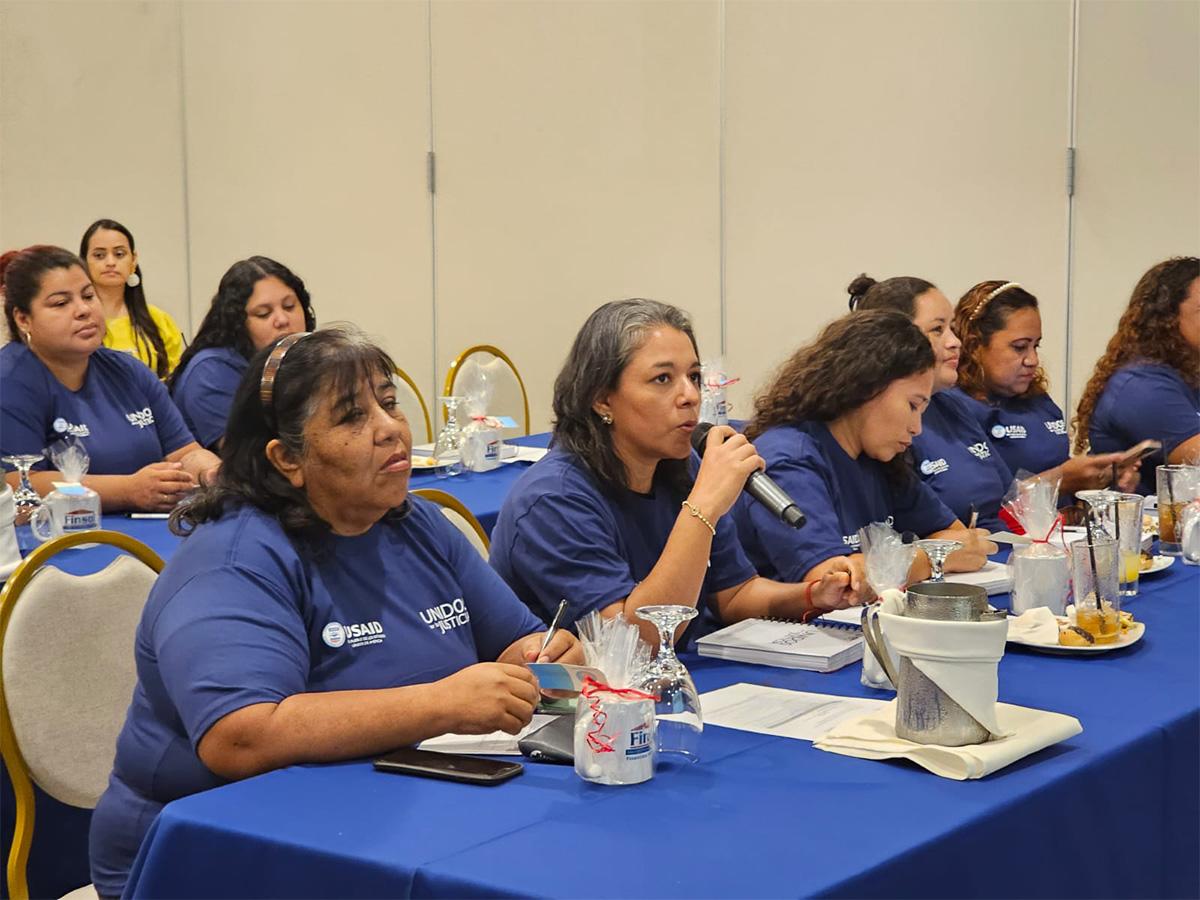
column 1072, row 113
column 430, row 184
column 183, row 140
column 721, row 237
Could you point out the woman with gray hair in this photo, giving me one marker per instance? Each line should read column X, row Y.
column 613, row 518
column 315, row 611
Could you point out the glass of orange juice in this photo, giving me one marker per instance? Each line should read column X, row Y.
column 1121, row 517
column 1095, row 586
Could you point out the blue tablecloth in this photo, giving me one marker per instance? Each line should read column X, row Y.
column 1112, row 812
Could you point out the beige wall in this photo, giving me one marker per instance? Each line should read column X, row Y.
column 602, row 148
column 90, row 128
column 1138, row 174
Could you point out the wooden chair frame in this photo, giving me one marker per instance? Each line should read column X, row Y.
column 404, row 376
column 18, row 769
column 495, row 351
column 441, row 498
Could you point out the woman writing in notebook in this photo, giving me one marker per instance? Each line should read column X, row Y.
column 835, row 426
column 621, row 514
column 315, row 611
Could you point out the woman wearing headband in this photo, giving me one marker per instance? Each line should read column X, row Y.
column 835, row 426
column 1147, row 383
column 620, row 514
column 133, row 325
column 952, row 454
column 315, row 611
column 257, row 302
column 1002, row 381
column 58, row 381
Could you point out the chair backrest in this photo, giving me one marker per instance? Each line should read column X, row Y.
column 67, row 673
column 461, row 517
column 408, row 395
column 509, row 397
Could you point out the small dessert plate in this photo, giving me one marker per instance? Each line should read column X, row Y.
column 1128, row 637
column 1157, row 564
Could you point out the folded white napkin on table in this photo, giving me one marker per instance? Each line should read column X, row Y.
column 1027, row 730
column 959, row 657
column 1037, row 626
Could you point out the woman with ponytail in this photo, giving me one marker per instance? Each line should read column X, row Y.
column 133, row 325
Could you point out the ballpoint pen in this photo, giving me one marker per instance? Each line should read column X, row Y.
column 974, row 517
column 562, row 608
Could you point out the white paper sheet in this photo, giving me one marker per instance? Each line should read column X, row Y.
column 782, row 713
column 498, row 743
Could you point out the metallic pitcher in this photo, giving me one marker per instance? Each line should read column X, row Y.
column 925, row 714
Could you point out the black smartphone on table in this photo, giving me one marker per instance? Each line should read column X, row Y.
column 448, row 766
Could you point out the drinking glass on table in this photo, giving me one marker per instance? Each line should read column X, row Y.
column 447, row 449
column 1121, row 518
column 1177, row 486
column 937, row 550
column 1095, row 585
column 677, row 710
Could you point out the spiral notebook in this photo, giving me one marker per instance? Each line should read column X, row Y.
column 818, row 647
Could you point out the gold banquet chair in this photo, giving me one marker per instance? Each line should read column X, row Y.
column 67, row 673
column 408, row 395
column 509, row 397
column 460, row 517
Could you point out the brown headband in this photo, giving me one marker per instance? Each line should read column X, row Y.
column 266, row 388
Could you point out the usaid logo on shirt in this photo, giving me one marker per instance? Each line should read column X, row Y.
column 1056, row 426
column 1012, row 432
column 934, row 466
column 361, row 634
column 142, row 418
column 62, row 426
column 980, row 450
column 446, row 616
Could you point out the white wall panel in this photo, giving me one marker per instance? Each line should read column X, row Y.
column 307, row 133
column 90, row 128
column 578, row 147
column 915, row 138
column 1138, row 176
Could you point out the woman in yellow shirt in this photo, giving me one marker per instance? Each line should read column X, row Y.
column 134, row 326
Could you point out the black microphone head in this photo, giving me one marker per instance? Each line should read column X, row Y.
column 700, row 436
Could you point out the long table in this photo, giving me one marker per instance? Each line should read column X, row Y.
column 1113, row 811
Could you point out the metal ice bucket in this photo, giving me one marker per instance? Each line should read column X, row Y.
column 924, row 713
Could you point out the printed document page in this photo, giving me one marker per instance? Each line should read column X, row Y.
column 780, row 712
column 498, row 743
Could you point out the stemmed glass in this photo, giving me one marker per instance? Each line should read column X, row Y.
column 447, row 450
column 678, row 708
column 937, row 551
column 26, row 500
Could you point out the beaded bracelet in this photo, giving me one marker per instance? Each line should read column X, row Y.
column 699, row 515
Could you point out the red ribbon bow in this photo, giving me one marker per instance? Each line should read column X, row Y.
column 597, row 740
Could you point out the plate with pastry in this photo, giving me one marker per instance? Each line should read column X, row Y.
column 1072, row 640
column 1153, row 564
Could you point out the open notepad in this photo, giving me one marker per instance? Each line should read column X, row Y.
column 820, row 647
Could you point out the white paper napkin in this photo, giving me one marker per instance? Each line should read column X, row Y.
column 874, row 737
column 959, row 657
column 1037, row 626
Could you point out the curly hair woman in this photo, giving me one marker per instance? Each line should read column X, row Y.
column 835, row 426
column 1000, row 376
column 1147, row 383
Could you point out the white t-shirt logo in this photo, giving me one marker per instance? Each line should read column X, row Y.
column 62, row 426
column 934, row 466
column 333, row 634
column 1012, row 432
column 142, row 418
column 980, row 450
column 446, row 616
column 1056, row 426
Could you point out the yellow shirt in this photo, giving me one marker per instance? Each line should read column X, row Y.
column 120, row 337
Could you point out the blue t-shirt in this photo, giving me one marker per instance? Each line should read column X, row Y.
column 559, row 535
column 955, row 457
column 122, row 413
column 242, row 615
column 204, row 391
column 839, row 495
column 1030, row 433
column 1140, row 401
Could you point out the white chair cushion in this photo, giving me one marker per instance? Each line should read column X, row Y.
column 69, row 673
column 466, row 528
column 87, row 892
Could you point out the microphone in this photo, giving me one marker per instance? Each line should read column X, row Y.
column 759, row 486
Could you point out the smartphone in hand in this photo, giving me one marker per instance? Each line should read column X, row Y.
column 1138, row 452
